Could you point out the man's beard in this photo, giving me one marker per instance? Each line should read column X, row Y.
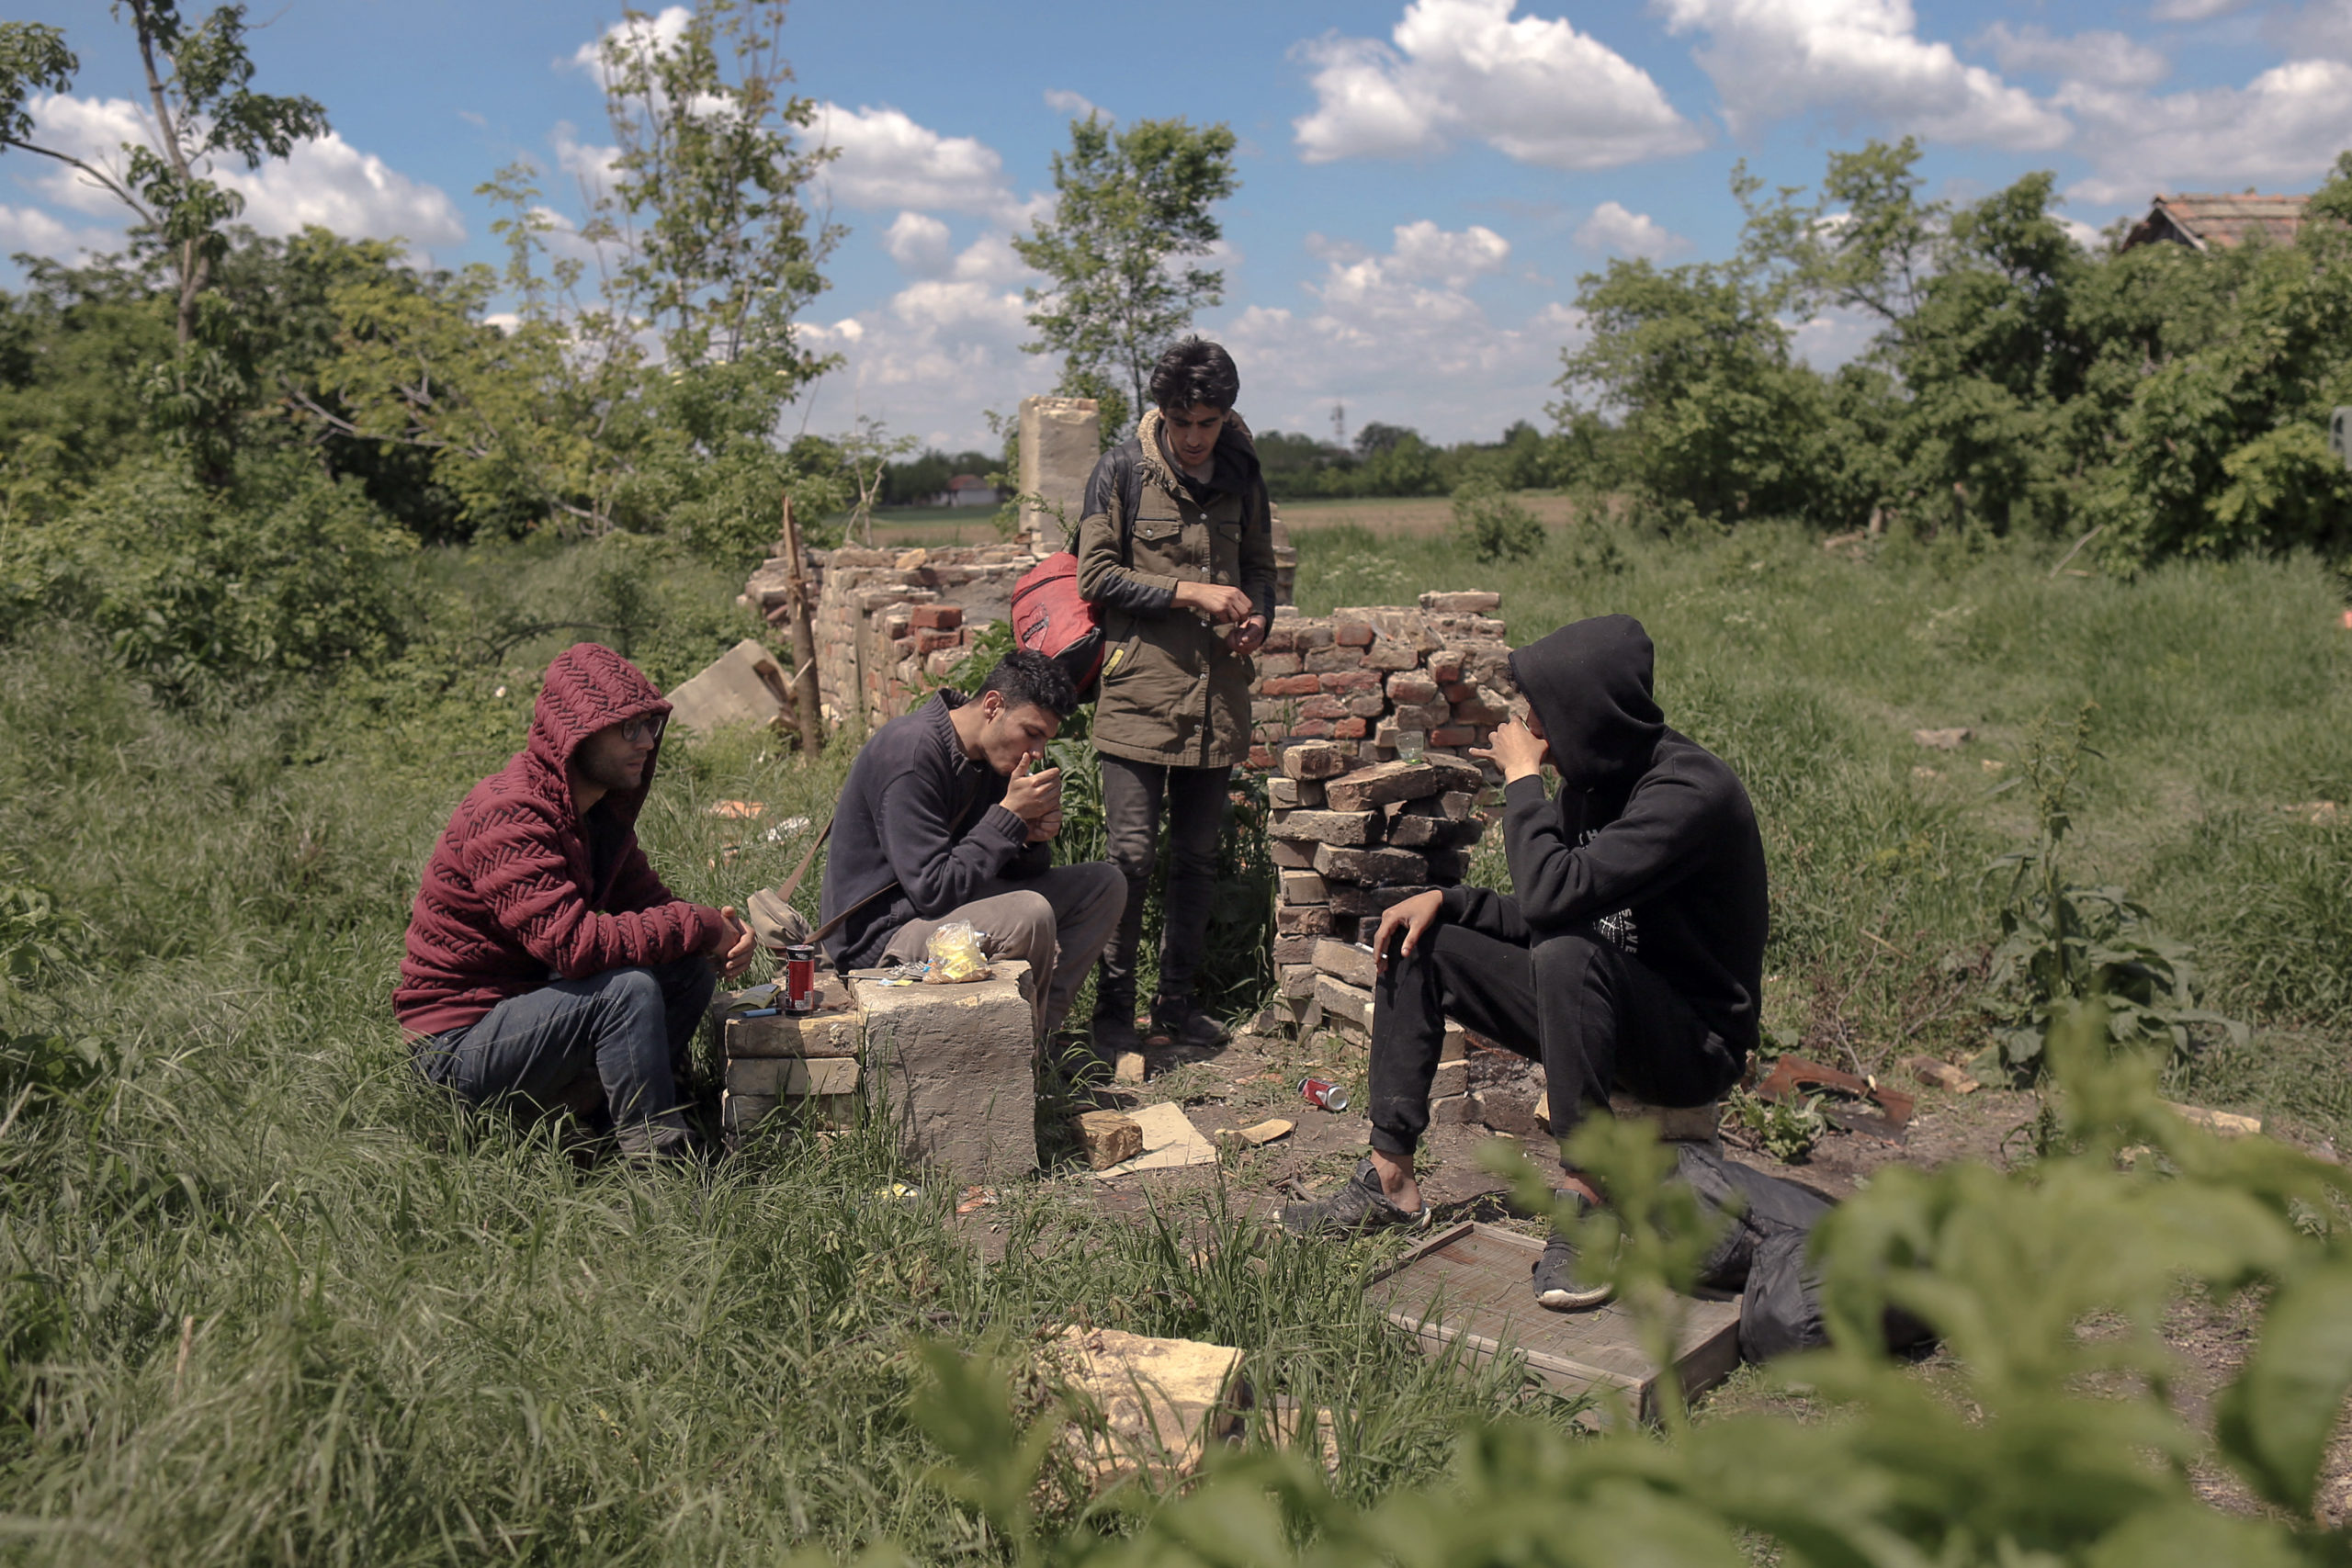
column 611, row 773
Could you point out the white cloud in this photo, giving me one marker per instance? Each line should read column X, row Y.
column 1772, row 60
column 2108, row 59
column 2195, row 10
column 1533, row 87
column 326, row 181
column 331, row 182
column 31, row 230
column 920, row 243
column 656, row 34
column 2322, row 28
column 1076, row 104
column 887, row 160
column 93, row 129
column 1620, row 232
column 592, row 166
column 2280, row 130
column 1399, row 337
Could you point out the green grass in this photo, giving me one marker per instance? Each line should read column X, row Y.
column 265, row 1299
column 2223, row 699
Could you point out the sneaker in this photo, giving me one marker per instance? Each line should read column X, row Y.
column 1114, row 1034
column 1556, row 1280
column 1359, row 1206
column 1187, row 1025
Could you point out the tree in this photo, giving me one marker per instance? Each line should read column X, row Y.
column 201, row 107
column 1129, row 207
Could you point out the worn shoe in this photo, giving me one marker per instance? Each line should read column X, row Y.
column 1556, row 1280
column 1114, row 1032
column 1359, row 1206
column 1187, row 1025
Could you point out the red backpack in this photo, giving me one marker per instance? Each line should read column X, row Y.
column 1049, row 616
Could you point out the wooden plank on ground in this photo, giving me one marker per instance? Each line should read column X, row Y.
column 1469, row 1287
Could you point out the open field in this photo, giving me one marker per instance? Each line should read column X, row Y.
column 1421, row 517
column 264, row 1301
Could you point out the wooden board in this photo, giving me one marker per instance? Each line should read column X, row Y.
column 1468, row 1286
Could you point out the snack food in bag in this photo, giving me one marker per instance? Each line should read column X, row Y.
column 955, row 953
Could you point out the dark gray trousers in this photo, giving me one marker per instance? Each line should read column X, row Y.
column 1131, row 805
column 631, row 1029
column 1593, row 1015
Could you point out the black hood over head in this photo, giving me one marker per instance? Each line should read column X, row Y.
column 1589, row 684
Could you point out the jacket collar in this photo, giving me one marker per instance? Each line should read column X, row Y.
column 1236, row 455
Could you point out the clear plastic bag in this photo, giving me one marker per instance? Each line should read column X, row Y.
column 955, row 953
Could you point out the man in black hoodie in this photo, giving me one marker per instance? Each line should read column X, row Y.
column 1631, row 953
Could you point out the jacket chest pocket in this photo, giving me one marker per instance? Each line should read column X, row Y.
column 1168, row 546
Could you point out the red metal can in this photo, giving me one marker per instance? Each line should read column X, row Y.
column 1322, row 1095
column 798, row 992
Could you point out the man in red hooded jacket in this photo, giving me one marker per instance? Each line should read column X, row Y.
column 545, row 958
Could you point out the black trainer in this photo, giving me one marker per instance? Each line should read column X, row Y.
column 1357, row 1207
column 1187, row 1025
column 1557, row 1286
column 1114, row 1032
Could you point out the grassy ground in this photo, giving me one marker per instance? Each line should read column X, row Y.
column 264, row 1301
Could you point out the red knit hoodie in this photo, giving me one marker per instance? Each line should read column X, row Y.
column 506, row 906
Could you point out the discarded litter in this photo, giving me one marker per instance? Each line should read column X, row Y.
column 743, row 810
column 954, row 955
column 787, row 829
column 1170, row 1142
column 1323, row 1094
column 975, row 1199
column 1261, row 1134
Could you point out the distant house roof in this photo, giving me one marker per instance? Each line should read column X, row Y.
column 967, row 482
column 2202, row 220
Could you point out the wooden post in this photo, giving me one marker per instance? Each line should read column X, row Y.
column 804, row 640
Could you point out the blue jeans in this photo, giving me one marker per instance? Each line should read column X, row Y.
column 631, row 1029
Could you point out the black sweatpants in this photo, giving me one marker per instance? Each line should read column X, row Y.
column 1592, row 1015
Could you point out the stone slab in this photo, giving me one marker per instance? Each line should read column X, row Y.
column 836, row 1028
column 743, row 685
column 1384, row 782
column 1060, row 439
column 1346, row 962
column 1369, row 867
column 952, row 1069
column 1327, row 827
column 1464, row 1290
column 792, row 1076
column 1341, row 1000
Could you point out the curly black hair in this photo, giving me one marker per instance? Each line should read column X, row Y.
column 1194, row 372
column 1029, row 679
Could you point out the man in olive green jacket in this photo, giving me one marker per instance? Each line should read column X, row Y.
column 1176, row 545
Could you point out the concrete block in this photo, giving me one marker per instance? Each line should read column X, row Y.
column 1289, row 794
column 1453, row 1078
column 1314, row 760
column 792, row 1077
column 1370, row 867
column 1452, row 1110
column 1349, row 900
column 743, row 685
column 1327, row 827
column 1341, row 1000
column 741, row 1113
column 1463, row 603
column 1301, row 919
column 1296, row 979
column 1108, row 1137
column 1292, row 857
column 1060, row 439
column 1345, row 961
column 1303, row 887
column 951, row 1067
column 836, row 1028
column 1384, row 782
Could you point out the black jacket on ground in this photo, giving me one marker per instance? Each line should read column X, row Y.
column 1651, row 840
column 915, row 810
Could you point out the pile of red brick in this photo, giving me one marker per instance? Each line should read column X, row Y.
column 1349, row 843
column 1384, row 681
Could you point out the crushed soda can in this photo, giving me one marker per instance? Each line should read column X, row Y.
column 1322, row 1095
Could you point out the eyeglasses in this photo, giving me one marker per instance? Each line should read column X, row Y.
column 644, row 728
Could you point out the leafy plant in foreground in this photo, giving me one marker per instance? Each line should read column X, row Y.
column 2038, row 1444
column 2061, row 943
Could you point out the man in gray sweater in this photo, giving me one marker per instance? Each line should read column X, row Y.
column 945, row 816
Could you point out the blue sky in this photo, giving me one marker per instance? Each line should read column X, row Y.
column 1422, row 184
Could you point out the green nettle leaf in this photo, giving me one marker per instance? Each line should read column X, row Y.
column 2274, row 1423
